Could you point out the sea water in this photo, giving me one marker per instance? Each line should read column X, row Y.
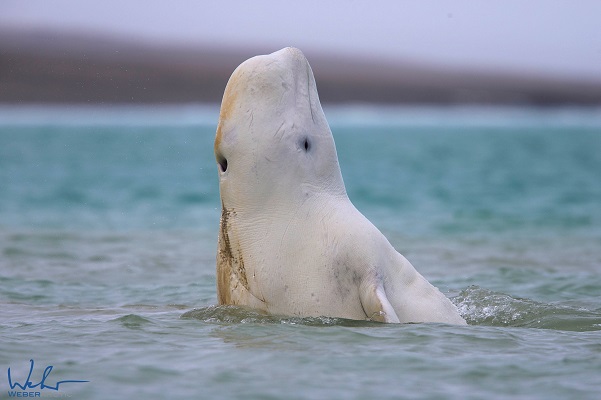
column 108, row 230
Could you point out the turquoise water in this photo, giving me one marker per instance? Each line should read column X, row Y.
column 108, row 230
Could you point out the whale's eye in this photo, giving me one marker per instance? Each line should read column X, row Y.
column 306, row 144
column 222, row 161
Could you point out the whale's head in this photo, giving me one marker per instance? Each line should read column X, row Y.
column 273, row 143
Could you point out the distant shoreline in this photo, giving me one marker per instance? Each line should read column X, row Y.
column 65, row 68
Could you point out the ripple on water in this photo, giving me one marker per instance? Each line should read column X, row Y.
column 244, row 315
column 133, row 321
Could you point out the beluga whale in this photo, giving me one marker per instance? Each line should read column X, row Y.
column 290, row 241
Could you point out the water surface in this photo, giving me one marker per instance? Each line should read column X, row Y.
column 108, row 228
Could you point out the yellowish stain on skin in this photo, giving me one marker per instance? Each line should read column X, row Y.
column 230, row 269
column 231, row 273
column 227, row 105
column 224, row 262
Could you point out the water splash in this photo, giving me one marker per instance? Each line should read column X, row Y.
column 481, row 306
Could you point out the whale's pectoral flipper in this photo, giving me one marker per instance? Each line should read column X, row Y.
column 375, row 303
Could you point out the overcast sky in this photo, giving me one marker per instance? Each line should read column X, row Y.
column 541, row 36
